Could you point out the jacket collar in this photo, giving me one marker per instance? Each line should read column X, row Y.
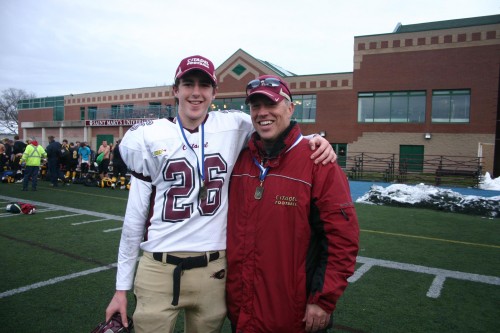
column 273, row 157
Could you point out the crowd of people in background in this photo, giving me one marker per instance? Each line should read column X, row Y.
column 61, row 163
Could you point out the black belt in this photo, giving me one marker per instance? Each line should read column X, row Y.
column 183, row 264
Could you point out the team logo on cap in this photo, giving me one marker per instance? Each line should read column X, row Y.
column 198, row 61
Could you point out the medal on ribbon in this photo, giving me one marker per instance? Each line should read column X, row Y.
column 203, row 192
column 259, row 191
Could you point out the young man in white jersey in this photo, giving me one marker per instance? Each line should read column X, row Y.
column 177, row 207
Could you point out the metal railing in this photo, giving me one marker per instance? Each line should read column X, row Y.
column 429, row 169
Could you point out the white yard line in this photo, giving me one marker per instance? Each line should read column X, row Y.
column 111, row 230
column 55, row 280
column 45, row 210
column 38, row 211
column 5, row 215
column 61, row 216
column 92, row 221
column 440, row 274
column 433, row 292
column 64, row 208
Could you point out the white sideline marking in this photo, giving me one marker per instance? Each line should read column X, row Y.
column 64, row 208
column 55, row 280
column 436, row 286
column 45, row 210
column 8, row 214
column 360, row 271
column 111, row 230
column 38, row 211
column 92, row 221
column 61, row 217
column 438, row 283
column 434, row 290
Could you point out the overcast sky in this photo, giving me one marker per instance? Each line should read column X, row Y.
column 61, row 47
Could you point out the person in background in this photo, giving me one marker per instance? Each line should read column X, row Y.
column 177, row 207
column 84, row 155
column 292, row 230
column 73, row 161
column 8, row 150
column 32, row 158
column 3, row 159
column 119, row 167
column 65, row 159
column 17, row 152
column 54, row 161
column 104, row 165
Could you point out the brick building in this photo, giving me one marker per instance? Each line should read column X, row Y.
column 429, row 89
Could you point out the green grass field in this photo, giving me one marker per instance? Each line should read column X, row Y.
column 419, row 270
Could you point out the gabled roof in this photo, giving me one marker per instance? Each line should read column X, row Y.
column 449, row 24
column 264, row 66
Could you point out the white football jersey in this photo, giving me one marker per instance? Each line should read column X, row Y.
column 165, row 212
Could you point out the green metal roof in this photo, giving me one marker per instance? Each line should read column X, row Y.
column 279, row 70
column 449, row 24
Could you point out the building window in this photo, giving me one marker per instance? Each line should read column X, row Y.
column 239, row 69
column 56, row 103
column 128, row 110
column 230, row 104
column 451, row 106
column 58, row 106
column 82, row 113
column 92, row 112
column 305, row 108
column 154, row 110
column 115, row 112
column 391, row 107
column 171, row 110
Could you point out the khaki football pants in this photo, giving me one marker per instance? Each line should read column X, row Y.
column 202, row 296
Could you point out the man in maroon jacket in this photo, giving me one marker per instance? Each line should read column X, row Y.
column 292, row 234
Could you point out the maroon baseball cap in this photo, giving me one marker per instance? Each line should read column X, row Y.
column 196, row 62
column 271, row 86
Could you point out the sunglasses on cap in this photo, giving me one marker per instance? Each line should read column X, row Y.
column 267, row 82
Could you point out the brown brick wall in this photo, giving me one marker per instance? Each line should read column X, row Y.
column 33, row 115
column 439, row 144
column 458, row 68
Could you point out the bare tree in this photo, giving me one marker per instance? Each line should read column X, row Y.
column 8, row 106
